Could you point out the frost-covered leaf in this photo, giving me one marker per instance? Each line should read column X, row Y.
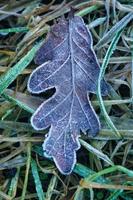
column 68, row 63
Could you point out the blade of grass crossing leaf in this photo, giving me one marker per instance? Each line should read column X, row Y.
column 27, row 171
column 37, row 180
column 101, row 76
column 7, row 78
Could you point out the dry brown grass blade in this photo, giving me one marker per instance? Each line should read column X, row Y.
column 86, row 185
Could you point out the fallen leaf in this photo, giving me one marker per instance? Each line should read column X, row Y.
column 68, row 63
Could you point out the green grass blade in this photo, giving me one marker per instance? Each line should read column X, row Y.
column 17, row 102
column 79, row 195
column 14, row 30
column 110, row 170
column 116, row 28
column 27, row 171
column 37, row 180
column 12, row 73
column 88, row 10
column 14, row 184
column 97, row 22
column 115, row 195
column 84, row 171
column 96, row 152
column 51, row 186
column 101, row 76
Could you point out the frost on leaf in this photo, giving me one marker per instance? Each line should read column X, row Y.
column 67, row 62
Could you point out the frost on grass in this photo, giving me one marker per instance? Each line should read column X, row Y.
column 67, row 62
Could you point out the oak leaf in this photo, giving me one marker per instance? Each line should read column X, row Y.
column 68, row 63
